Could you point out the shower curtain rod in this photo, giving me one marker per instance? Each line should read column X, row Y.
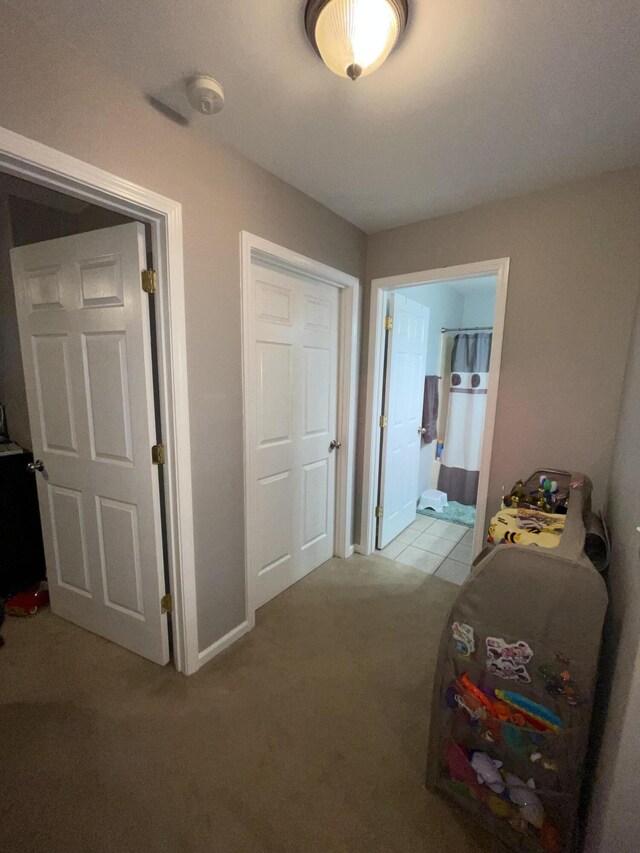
column 468, row 329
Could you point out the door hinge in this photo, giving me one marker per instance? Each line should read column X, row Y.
column 157, row 454
column 379, row 512
column 388, row 323
column 149, row 281
column 384, row 420
column 166, row 604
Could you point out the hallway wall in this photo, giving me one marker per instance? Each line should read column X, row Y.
column 614, row 822
column 54, row 94
column 575, row 260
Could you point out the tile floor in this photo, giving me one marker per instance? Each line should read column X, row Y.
column 434, row 546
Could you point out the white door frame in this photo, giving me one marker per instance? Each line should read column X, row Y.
column 379, row 287
column 255, row 249
column 28, row 159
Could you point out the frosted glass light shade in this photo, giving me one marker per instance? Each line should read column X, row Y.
column 354, row 37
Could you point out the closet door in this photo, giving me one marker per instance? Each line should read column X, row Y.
column 293, row 380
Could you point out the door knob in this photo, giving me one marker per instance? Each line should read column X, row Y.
column 335, row 445
column 422, row 430
column 38, row 465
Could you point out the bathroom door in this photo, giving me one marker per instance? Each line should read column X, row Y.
column 402, row 409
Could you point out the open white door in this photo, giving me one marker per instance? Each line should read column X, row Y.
column 85, row 340
column 402, row 407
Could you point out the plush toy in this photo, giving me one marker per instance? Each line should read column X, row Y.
column 526, row 799
column 487, row 770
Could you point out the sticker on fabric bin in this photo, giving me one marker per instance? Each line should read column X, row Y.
column 508, row 660
column 464, row 638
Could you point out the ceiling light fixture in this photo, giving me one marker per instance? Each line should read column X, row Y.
column 354, row 37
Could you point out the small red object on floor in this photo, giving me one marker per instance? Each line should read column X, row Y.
column 28, row 602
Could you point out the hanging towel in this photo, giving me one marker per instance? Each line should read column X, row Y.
column 430, row 409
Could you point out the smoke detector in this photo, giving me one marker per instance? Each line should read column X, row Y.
column 205, row 94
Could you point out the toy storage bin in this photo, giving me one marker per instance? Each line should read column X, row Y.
column 542, row 610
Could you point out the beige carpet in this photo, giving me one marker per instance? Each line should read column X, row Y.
column 308, row 735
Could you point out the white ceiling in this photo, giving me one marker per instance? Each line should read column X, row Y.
column 483, row 99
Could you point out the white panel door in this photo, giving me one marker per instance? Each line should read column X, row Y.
column 403, row 398
column 293, row 386
column 85, row 339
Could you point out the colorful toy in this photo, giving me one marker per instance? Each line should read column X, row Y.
column 530, row 709
column 480, row 697
column 547, row 763
column 549, row 838
column 459, row 767
column 498, row 806
column 515, row 737
column 544, row 498
column 464, row 639
column 560, row 683
column 462, row 790
column 28, row 602
column 476, row 775
column 488, row 771
column 525, row 526
column 517, row 497
column 464, row 694
column 526, row 799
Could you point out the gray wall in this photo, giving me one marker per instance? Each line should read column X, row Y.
column 52, row 93
column 575, row 256
column 614, row 822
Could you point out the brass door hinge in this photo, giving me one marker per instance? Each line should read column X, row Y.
column 384, row 420
column 157, row 454
column 166, row 604
column 388, row 323
column 149, row 281
column 379, row 512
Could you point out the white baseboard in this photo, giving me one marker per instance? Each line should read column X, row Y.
column 223, row 643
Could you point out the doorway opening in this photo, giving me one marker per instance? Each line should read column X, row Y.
column 88, row 366
column 434, row 362
column 71, row 311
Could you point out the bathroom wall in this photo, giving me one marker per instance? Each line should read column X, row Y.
column 446, row 307
column 478, row 309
